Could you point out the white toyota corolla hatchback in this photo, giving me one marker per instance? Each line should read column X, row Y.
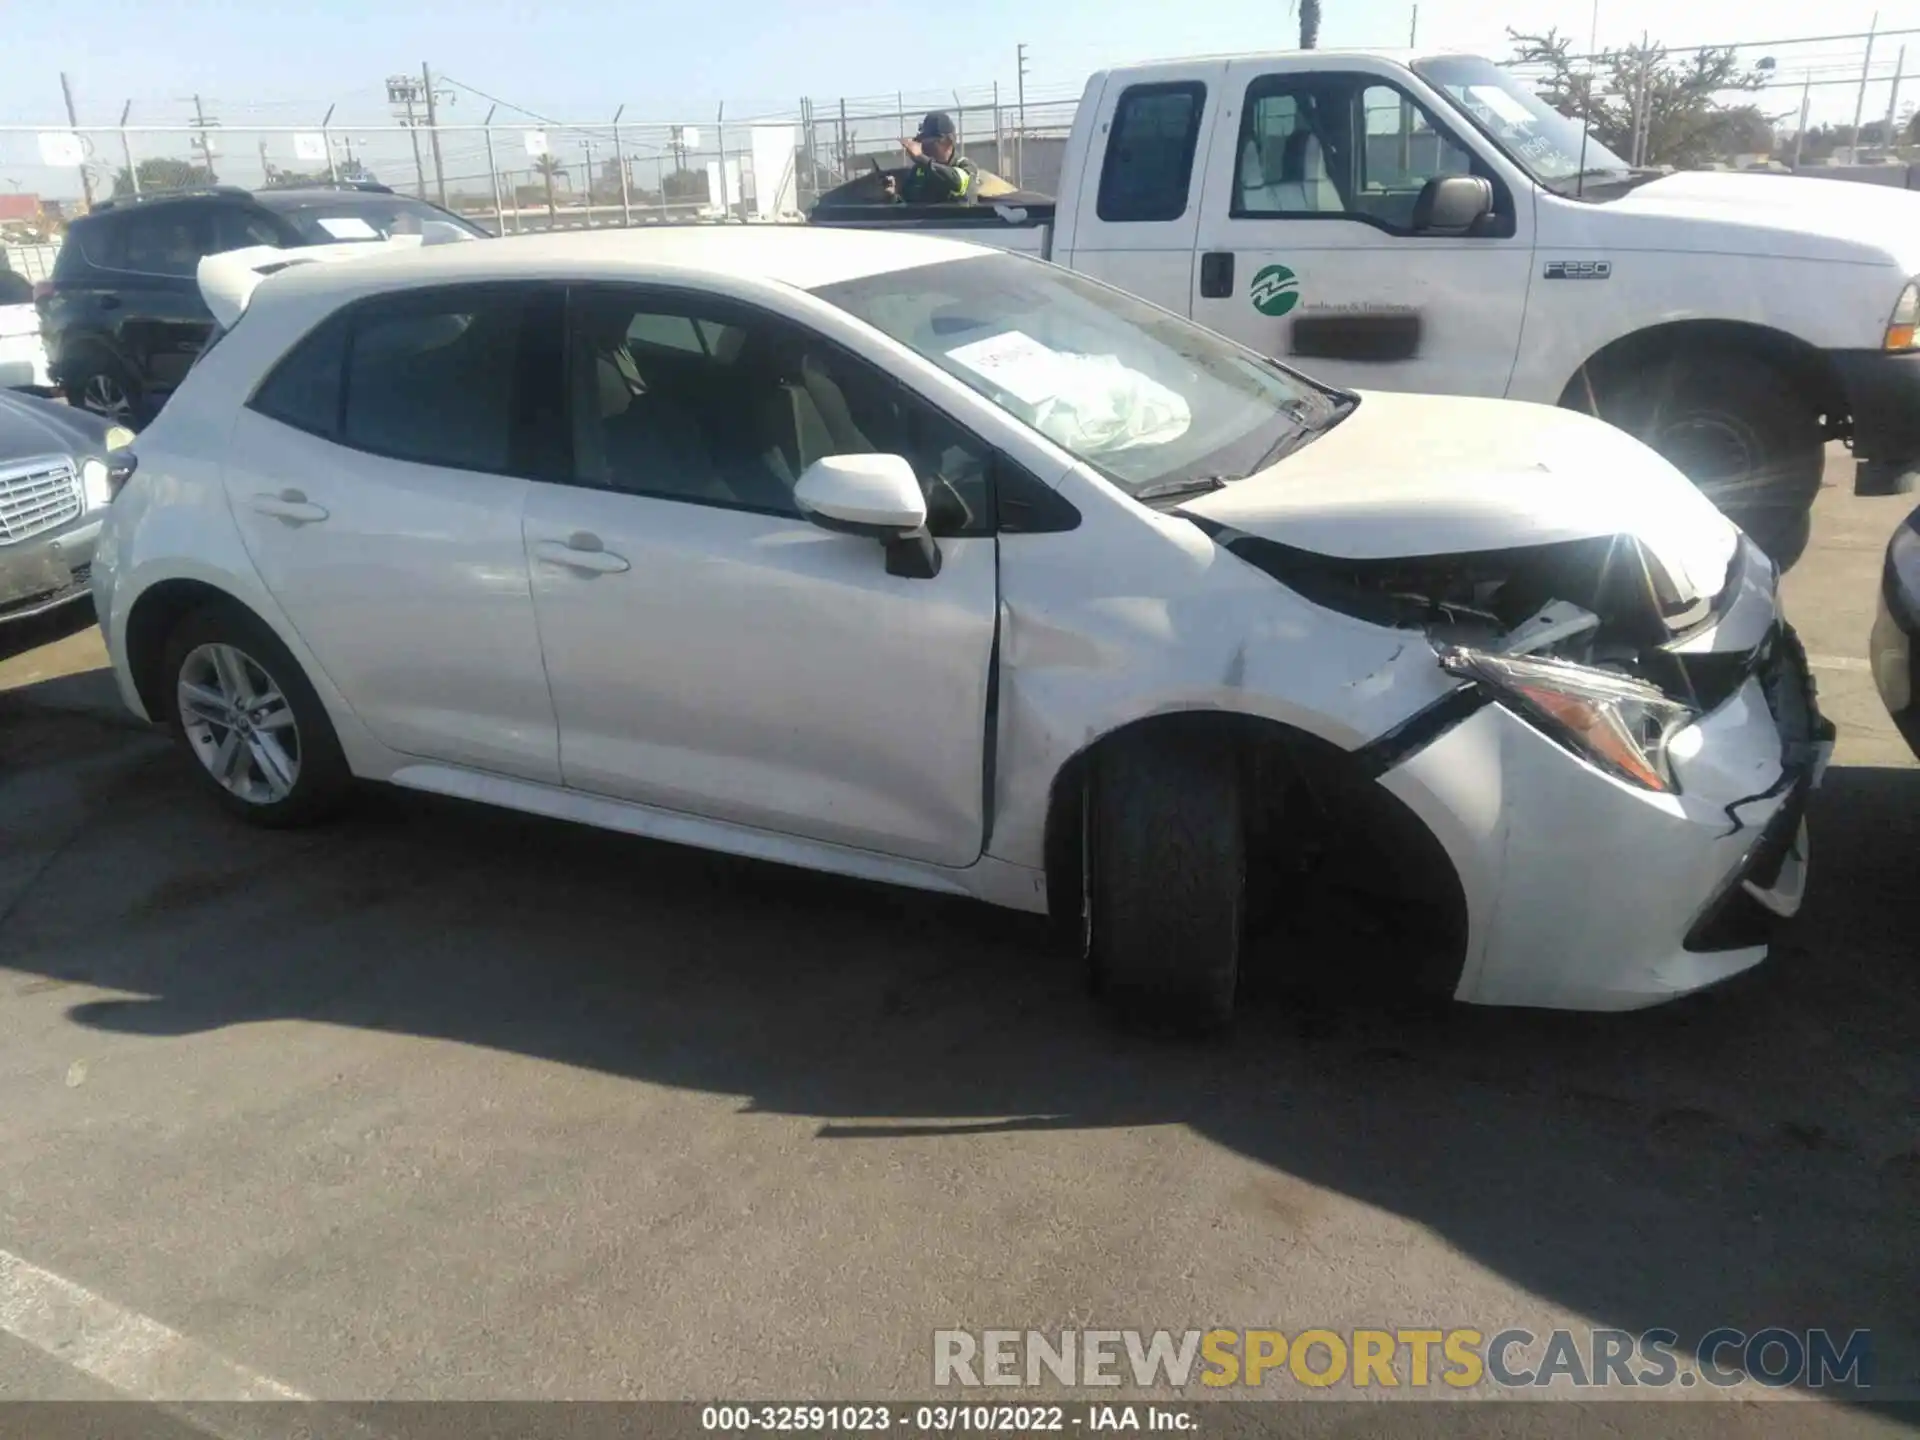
column 934, row 565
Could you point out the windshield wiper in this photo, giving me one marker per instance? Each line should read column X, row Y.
column 1184, row 486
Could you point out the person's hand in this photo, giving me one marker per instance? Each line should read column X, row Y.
column 912, row 147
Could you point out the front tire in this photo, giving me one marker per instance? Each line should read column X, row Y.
column 1740, row 429
column 1166, row 878
column 258, row 738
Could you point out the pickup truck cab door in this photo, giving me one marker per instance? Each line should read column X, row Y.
column 1141, row 155
column 1307, row 247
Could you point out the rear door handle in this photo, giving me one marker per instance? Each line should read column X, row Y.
column 583, row 552
column 109, row 302
column 291, row 506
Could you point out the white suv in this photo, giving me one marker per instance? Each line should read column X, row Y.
column 930, row 564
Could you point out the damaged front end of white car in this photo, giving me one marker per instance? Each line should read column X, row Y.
column 1620, row 767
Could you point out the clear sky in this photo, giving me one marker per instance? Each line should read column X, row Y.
column 278, row 61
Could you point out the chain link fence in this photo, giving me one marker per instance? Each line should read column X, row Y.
column 517, row 175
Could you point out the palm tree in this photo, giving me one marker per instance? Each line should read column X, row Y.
column 547, row 167
column 1309, row 24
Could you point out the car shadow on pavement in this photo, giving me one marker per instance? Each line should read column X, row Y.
column 1742, row 1158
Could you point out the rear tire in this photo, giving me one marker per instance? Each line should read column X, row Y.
column 1738, row 428
column 255, row 733
column 101, row 384
column 1166, row 880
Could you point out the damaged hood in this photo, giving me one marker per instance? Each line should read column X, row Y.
column 1426, row 475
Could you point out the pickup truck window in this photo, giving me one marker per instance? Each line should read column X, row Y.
column 1332, row 144
column 1148, row 168
column 1534, row 135
column 1152, row 401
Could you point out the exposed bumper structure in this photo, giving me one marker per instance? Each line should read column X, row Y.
column 1586, row 892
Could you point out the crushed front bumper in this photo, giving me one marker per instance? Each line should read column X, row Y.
column 1586, row 892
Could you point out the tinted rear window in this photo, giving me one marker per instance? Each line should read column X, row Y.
column 304, row 389
column 15, row 289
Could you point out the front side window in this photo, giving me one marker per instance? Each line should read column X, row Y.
column 684, row 399
column 1151, row 400
column 1542, row 141
column 1148, row 168
column 238, row 228
column 167, row 240
column 1338, row 145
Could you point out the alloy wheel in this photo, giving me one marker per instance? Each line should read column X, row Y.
column 105, row 395
column 239, row 724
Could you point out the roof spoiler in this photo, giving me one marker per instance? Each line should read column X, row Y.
column 228, row 280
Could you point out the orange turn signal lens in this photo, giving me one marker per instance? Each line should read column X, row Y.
column 1600, row 729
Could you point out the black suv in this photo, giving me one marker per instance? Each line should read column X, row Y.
column 122, row 316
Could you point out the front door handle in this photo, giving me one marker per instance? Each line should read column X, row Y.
column 291, row 506
column 1216, row 275
column 582, row 552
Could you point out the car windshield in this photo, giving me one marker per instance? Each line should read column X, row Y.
column 1155, row 403
column 380, row 217
column 1548, row 145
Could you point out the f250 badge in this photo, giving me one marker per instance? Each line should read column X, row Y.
column 1579, row 269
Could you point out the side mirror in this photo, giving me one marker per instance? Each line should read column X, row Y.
column 874, row 495
column 1452, row 204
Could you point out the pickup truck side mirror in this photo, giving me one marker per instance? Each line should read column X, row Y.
column 1452, row 204
column 878, row 496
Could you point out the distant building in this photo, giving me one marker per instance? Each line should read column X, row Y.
column 19, row 209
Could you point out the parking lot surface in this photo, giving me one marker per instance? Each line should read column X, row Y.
column 441, row 1102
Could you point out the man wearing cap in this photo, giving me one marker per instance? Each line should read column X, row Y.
column 939, row 176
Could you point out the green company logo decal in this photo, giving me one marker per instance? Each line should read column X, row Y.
column 1275, row 290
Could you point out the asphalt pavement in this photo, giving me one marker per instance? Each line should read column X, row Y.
column 439, row 1102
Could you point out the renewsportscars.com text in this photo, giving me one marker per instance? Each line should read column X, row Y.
column 1411, row 1359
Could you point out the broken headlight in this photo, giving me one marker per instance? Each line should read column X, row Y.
column 1616, row 722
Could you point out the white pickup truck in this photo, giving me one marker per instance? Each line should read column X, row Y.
column 1404, row 221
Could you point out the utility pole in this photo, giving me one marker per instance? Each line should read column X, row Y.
column 1860, row 100
column 73, row 121
column 587, row 145
column 266, row 165
column 1020, row 123
column 433, row 132
column 1893, row 96
column 1413, row 29
column 402, row 92
column 201, row 121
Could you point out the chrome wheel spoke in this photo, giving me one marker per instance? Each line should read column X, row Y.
column 198, row 702
column 229, row 761
column 231, row 667
column 276, row 767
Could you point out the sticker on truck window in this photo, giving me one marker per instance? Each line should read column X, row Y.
column 1275, row 290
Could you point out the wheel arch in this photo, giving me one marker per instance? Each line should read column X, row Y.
column 155, row 613
column 1810, row 368
column 1274, row 755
